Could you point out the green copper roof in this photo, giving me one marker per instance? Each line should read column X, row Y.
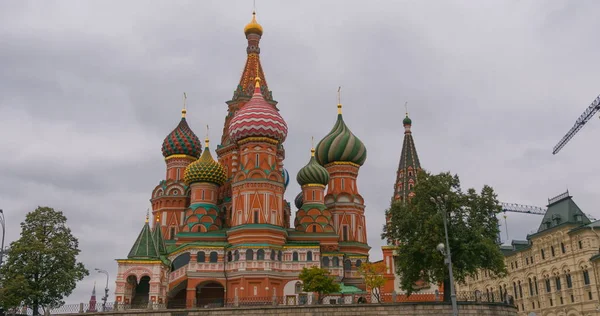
column 159, row 241
column 349, row 289
column 299, row 200
column 205, row 169
column 144, row 246
column 340, row 145
column 312, row 173
column 562, row 210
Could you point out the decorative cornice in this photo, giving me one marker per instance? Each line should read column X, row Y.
column 182, row 156
column 342, row 163
column 313, row 185
column 138, row 261
column 258, row 139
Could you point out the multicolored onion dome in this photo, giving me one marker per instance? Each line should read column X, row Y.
column 312, row 173
column 299, row 200
column 205, row 169
column 286, row 177
column 340, row 145
column 253, row 26
column 182, row 141
column 257, row 118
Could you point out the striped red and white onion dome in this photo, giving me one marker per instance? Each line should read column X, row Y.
column 258, row 118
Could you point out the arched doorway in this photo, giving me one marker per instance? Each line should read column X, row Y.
column 210, row 294
column 177, row 295
column 140, row 296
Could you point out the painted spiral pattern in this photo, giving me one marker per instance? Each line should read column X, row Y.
column 340, row 145
column 312, row 173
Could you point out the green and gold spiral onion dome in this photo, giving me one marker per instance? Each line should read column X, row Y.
column 340, row 145
column 205, row 169
column 312, row 173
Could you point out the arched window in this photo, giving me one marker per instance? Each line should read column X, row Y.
column 309, row 256
column 279, row 255
column 249, row 255
column 295, row 256
column 214, row 257
column 358, row 263
column 326, row 261
column 336, row 261
column 347, row 264
column 229, row 257
column 201, row 256
column 272, row 255
column 181, row 261
column 260, row 254
column 298, row 287
column 236, row 255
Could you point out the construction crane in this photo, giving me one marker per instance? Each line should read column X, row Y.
column 526, row 209
column 584, row 118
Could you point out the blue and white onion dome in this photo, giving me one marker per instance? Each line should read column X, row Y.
column 286, row 177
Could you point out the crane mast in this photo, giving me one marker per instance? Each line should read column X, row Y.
column 584, row 118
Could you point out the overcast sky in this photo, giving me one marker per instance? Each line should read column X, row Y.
column 89, row 90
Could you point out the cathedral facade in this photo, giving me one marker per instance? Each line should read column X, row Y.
column 221, row 230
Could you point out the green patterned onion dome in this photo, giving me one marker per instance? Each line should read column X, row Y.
column 340, row 145
column 407, row 120
column 312, row 173
column 299, row 200
column 205, row 169
column 182, row 141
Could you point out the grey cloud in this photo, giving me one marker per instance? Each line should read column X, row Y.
column 89, row 90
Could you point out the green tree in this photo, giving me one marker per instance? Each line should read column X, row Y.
column 417, row 228
column 42, row 265
column 318, row 280
column 373, row 275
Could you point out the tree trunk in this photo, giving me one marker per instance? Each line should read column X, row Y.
column 36, row 308
column 446, row 289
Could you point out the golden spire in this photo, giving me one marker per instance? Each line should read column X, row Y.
column 257, row 78
column 339, row 106
column 184, row 110
column 147, row 215
column 157, row 218
column 312, row 146
column 406, row 107
column 206, row 140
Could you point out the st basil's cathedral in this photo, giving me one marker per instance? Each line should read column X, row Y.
column 221, row 230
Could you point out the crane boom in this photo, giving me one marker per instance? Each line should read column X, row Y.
column 584, row 118
column 519, row 208
column 530, row 209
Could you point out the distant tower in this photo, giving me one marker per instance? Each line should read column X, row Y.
column 409, row 166
column 92, row 305
column 406, row 179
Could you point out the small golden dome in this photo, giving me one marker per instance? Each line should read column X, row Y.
column 253, row 26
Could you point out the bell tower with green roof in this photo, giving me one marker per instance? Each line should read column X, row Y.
column 406, row 176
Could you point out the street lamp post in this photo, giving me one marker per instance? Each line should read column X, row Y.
column 105, row 298
column 445, row 249
column 2, row 222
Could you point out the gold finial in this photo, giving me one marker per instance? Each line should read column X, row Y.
column 206, row 140
column 312, row 146
column 257, row 78
column 157, row 218
column 184, row 110
column 147, row 215
column 339, row 106
column 406, row 107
